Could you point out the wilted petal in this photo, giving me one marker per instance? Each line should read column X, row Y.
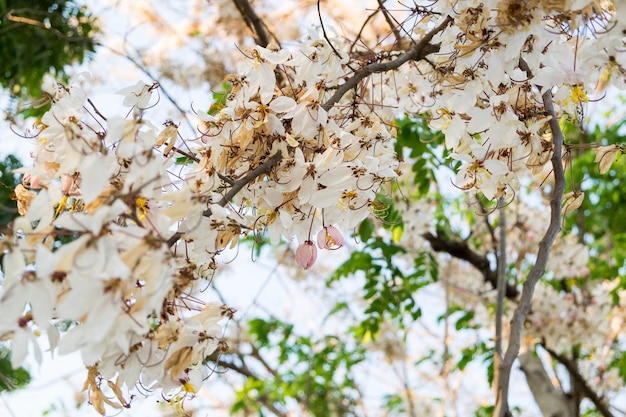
column 605, row 155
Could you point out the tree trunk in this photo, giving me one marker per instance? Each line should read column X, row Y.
column 551, row 400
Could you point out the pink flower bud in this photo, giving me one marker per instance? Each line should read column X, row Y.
column 32, row 181
column 329, row 238
column 306, row 254
column 69, row 185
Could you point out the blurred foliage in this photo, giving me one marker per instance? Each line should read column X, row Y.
column 316, row 373
column 11, row 379
column 599, row 222
column 390, row 282
column 41, row 37
column 8, row 181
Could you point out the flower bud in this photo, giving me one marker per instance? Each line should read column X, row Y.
column 69, row 185
column 32, row 181
column 329, row 238
column 306, row 254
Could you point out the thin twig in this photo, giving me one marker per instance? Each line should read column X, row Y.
column 543, row 253
column 363, row 26
column 319, row 14
column 419, row 51
column 501, row 271
column 32, row 22
column 236, row 186
column 95, row 109
column 245, row 371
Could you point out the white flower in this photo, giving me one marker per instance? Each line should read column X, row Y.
column 138, row 95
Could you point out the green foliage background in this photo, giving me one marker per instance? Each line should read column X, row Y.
column 41, row 37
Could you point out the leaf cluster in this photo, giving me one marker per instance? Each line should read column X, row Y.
column 8, row 181
column 316, row 373
column 599, row 219
column 39, row 37
column 416, row 138
column 390, row 283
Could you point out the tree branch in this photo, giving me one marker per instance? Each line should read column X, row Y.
column 551, row 401
column 501, row 278
column 461, row 250
column 543, row 253
column 236, row 186
column 572, row 368
column 245, row 371
column 392, row 25
column 254, row 22
column 419, row 51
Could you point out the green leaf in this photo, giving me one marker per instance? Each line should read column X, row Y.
column 17, row 378
column 366, row 230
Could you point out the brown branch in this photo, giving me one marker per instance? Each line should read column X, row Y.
column 257, row 355
column 551, row 400
column 543, row 253
column 20, row 20
column 501, row 277
column 254, row 22
column 392, row 25
column 419, row 51
column 236, row 186
column 461, row 250
column 572, row 368
column 243, row 370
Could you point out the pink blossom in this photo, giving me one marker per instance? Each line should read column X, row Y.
column 306, row 254
column 69, row 185
column 32, row 181
column 329, row 238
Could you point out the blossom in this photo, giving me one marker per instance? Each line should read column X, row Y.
column 329, row 238
column 138, row 95
column 306, row 254
column 481, row 171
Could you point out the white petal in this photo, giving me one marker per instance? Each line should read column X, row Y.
column 95, row 171
column 283, row 104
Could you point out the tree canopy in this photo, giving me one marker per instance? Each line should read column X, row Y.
column 39, row 38
column 438, row 186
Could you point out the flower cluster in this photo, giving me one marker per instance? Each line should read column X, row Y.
column 87, row 262
column 333, row 160
column 484, row 88
column 96, row 258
